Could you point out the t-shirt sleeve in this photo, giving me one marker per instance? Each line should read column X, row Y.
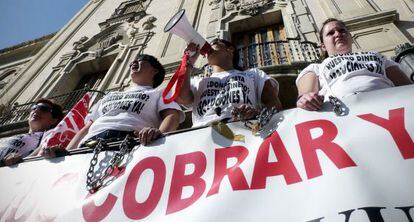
column 194, row 84
column 172, row 105
column 310, row 68
column 94, row 112
column 261, row 78
column 389, row 63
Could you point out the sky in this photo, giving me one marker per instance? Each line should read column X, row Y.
column 23, row 20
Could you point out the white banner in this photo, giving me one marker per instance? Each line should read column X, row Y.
column 315, row 167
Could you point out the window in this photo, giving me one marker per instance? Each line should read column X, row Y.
column 91, row 81
column 262, row 47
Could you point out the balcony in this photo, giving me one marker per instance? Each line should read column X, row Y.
column 283, row 56
column 282, row 52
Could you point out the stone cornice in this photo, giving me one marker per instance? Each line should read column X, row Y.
column 27, row 43
column 374, row 19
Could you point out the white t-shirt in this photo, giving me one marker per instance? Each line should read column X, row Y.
column 22, row 144
column 222, row 91
column 351, row 73
column 130, row 110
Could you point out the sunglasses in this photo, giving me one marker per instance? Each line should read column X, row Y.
column 221, row 41
column 41, row 107
column 136, row 61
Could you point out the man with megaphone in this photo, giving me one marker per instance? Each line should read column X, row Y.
column 229, row 91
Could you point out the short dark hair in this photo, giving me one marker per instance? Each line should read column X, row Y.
column 228, row 44
column 325, row 54
column 57, row 112
column 159, row 77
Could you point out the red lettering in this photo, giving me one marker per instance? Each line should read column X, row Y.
column 92, row 213
column 180, row 180
column 132, row 208
column 284, row 166
column 308, row 146
column 395, row 125
column 235, row 174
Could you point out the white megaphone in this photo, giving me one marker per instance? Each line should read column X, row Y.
column 179, row 25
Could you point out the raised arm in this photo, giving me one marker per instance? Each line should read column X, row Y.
column 270, row 96
column 397, row 76
column 186, row 96
column 308, row 87
column 170, row 120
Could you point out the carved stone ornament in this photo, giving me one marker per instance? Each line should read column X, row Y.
column 132, row 30
column 255, row 7
column 214, row 2
column 127, row 11
column 231, row 5
column 149, row 23
column 78, row 45
column 109, row 40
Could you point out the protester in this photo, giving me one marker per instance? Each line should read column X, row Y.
column 138, row 111
column 44, row 115
column 229, row 91
column 344, row 73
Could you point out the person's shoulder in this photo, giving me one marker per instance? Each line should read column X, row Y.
column 313, row 67
column 35, row 135
column 370, row 53
column 195, row 80
column 157, row 89
column 366, row 52
column 255, row 72
column 198, row 78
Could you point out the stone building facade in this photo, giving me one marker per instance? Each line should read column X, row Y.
column 95, row 47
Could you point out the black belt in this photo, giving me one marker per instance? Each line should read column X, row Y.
column 112, row 135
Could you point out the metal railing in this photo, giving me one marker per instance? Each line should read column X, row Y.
column 20, row 112
column 279, row 52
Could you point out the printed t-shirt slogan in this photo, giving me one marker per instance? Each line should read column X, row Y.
column 130, row 110
column 217, row 95
column 127, row 101
column 343, row 64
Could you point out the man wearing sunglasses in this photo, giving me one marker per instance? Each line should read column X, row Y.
column 44, row 115
column 229, row 92
column 138, row 111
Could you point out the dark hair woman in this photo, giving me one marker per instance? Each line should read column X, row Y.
column 343, row 72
